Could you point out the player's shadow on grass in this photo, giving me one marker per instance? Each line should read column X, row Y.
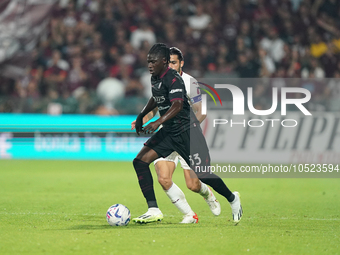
column 133, row 226
column 91, row 218
column 89, row 227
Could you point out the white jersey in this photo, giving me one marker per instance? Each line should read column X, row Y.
column 194, row 95
column 191, row 86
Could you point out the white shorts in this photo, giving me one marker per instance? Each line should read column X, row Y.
column 174, row 157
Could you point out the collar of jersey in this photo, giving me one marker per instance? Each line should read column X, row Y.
column 164, row 73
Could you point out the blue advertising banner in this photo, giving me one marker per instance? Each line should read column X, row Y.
column 65, row 123
column 79, row 137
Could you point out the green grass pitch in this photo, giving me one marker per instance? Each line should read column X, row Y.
column 59, row 207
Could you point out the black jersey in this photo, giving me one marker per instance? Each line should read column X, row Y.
column 167, row 88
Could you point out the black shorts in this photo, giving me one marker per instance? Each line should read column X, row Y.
column 190, row 144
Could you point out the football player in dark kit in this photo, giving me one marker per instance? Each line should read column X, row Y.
column 179, row 123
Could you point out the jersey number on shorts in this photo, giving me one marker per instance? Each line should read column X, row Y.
column 197, row 158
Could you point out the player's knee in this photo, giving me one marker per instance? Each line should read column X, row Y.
column 165, row 182
column 142, row 157
column 139, row 164
column 193, row 185
column 136, row 161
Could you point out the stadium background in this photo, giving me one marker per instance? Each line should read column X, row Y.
column 89, row 58
column 81, row 43
column 72, row 78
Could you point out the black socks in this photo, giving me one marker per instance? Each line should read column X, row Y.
column 217, row 184
column 145, row 181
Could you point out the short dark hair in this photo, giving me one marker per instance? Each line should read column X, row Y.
column 178, row 52
column 161, row 49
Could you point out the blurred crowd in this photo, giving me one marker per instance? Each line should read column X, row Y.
column 92, row 59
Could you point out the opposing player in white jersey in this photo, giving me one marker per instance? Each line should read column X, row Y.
column 165, row 167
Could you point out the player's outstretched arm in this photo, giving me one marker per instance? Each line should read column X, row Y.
column 175, row 108
column 148, row 108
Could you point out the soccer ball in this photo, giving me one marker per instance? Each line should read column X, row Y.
column 118, row 215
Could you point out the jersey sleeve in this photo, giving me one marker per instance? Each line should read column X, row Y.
column 195, row 93
column 176, row 89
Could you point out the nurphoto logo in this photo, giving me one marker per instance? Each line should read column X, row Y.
column 239, row 99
